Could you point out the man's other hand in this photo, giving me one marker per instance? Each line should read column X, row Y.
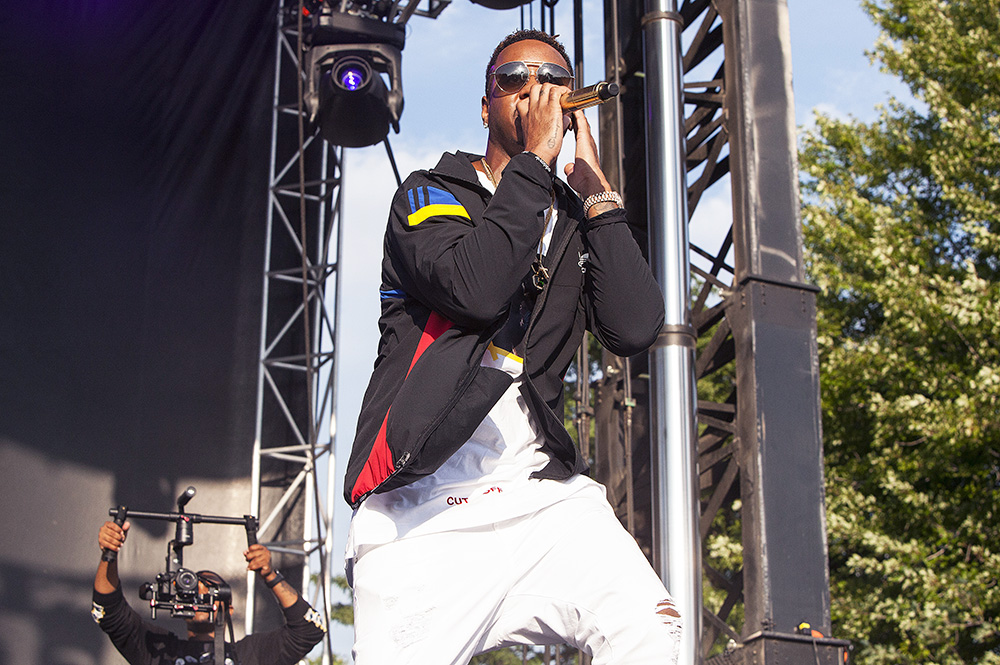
column 258, row 558
column 584, row 173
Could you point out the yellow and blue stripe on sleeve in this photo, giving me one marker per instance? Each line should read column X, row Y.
column 430, row 201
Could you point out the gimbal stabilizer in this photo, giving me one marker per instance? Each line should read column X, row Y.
column 177, row 588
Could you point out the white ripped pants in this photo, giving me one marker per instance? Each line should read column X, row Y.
column 569, row 573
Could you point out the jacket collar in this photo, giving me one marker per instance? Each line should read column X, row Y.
column 459, row 165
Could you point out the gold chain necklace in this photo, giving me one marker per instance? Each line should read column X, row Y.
column 489, row 172
column 539, row 273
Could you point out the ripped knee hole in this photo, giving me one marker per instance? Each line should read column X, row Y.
column 666, row 608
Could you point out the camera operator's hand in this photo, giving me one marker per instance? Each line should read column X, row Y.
column 112, row 537
column 259, row 558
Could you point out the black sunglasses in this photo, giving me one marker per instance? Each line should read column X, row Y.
column 512, row 76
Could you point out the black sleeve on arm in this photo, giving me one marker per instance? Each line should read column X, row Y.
column 624, row 302
column 134, row 638
column 466, row 271
column 289, row 644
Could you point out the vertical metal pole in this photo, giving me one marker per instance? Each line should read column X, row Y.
column 255, row 471
column 673, row 401
column 331, row 471
column 578, row 41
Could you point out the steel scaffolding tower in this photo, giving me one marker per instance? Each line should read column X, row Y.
column 293, row 462
column 294, row 447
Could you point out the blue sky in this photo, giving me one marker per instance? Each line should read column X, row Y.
column 443, row 67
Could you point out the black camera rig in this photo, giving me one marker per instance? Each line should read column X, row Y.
column 177, row 588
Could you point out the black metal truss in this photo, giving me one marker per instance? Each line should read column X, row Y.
column 293, row 445
column 755, row 320
column 296, row 404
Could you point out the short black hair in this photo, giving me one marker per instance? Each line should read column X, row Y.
column 211, row 578
column 523, row 35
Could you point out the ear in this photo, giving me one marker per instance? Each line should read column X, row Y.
column 485, row 112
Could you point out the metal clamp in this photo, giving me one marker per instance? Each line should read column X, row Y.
column 676, row 335
column 656, row 16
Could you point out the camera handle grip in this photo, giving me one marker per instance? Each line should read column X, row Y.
column 108, row 554
column 251, row 526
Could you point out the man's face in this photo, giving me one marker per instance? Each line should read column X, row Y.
column 500, row 110
column 202, row 617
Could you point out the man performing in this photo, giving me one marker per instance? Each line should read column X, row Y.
column 143, row 643
column 474, row 527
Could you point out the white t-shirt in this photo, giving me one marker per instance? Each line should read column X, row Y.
column 484, row 482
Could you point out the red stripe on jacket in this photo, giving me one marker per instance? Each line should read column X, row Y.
column 380, row 464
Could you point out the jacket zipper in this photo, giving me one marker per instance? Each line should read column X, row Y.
column 400, row 463
column 405, row 457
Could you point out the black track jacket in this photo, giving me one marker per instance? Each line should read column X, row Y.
column 454, row 260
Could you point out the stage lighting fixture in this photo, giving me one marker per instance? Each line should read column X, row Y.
column 355, row 88
column 352, row 74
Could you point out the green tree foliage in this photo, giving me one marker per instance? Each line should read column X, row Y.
column 902, row 226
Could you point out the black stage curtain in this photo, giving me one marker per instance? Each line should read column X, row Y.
column 134, row 143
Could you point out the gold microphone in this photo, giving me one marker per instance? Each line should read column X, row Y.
column 592, row 95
